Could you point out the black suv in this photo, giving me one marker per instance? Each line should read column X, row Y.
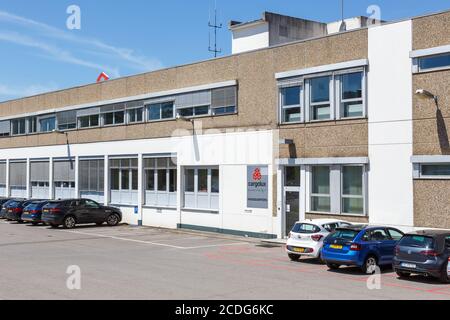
column 69, row 213
column 425, row 252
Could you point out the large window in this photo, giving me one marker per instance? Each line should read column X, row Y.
column 223, row 101
column 201, row 188
column 291, row 104
column 2, row 179
column 434, row 62
column 194, row 104
column 18, row 127
column 135, row 115
column 67, row 120
column 64, row 179
column 160, row 182
column 47, row 124
column 351, row 94
column 160, row 111
column 113, row 114
column 89, row 121
column 5, row 128
column 91, row 179
column 338, row 189
column 124, row 181
column 39, row 179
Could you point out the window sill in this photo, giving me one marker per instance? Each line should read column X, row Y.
column 362, row 215
column 214, row 211
column 149, row 206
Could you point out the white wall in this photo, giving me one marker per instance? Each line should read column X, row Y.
column 250, row 38
column 390, row 125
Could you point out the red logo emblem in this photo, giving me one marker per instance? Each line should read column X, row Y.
column 102, row 77
column 257, row 174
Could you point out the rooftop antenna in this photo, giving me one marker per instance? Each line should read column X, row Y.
column 214, row 26
column 343, row 26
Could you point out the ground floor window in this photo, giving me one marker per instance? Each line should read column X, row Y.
column 3, row 179
column 201, row 188
column 124, row 181
column 18, row 179
column 91, row 179
column 338, row 189
column 39, row 179
column 160, row 182
column 64, row 179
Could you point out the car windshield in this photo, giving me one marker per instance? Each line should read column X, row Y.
column 13, row 203
column 305, row 228
column 345, row 234
column 417, row 241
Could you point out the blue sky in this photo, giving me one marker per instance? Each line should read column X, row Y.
column 38, row 53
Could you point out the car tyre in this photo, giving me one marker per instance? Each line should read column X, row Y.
column 69, row 222
column 332, row 266
column 444, row 277
column 113, row 220
column 294, row 257
column 369, row 265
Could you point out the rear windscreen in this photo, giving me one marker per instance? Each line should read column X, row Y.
column 53, row 204
column 305, row 228
column 13, row 203
column 417, row 241
column 344, row 234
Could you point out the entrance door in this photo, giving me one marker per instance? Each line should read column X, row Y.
column 291, row 197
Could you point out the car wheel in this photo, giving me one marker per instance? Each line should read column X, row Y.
column 402, row 274
column 294, row 257
column 113, row 220
column 333, row 266
column 444, row 278
column 370, row 265
column 69, row 222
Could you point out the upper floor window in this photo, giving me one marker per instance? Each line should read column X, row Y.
column 291, row 104
column 328, row 96
column 223, row 101
column 435, row 171
column 135, row 115
column 193, row 111
column 67, row 120
column 160, row 111
column 5, row 128
column 32, row 125
column 434, row 62
column 89, row 121
column 18, row 127
column 47, row 124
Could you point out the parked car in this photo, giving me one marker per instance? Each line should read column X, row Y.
column 69, row 213
column 424, row 252
column 306, row 237
column 362, row 246
column 15, row 208
column 3, row 204
column 33, row 212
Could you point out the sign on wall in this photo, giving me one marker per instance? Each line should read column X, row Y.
column 258, row 187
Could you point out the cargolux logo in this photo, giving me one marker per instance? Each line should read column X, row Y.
column 257, row 175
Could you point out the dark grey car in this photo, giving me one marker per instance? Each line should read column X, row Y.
column 425, row 252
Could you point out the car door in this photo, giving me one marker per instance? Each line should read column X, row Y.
column 80, row 211
column 387, row 246
column 95, row 211
column 378, row 241
column 394, row 237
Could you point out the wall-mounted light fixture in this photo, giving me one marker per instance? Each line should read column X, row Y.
column 425, row 94
column 286, row 141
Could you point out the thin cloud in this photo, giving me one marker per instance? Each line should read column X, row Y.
column 7, row 91
column 136, row 61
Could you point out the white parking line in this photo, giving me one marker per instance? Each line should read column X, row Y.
column 153, row 243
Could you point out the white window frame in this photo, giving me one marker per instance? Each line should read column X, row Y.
column 431, row 177
column 193, row 111
column 310, row 105
column 340, row 101
column 103, row 118
column 46, row 118
column 418, row 69
column 282, row 108
column 196, row 193
column 130, row 192
column 134, row 110
column 90, row 126
column 156, row 192
column 24, row 127
column 336, row 188
column 149, row 104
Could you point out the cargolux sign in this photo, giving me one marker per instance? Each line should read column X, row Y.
column 258, row 187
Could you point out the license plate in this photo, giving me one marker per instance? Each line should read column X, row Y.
column 409, row 265
column 336, row 246
column 299, row 250
column 10, row 211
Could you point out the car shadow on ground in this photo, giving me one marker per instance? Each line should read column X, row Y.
column 312, row 261
column 424, row 280
column 355, row 271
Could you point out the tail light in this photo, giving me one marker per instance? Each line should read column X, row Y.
column 33, row 211
column 55, row 210
column 397, row 250
column 429, row 253
column 355, row 247
column 317, row 237
column 17, row 210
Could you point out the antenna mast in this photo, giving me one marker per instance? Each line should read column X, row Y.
column 215, row 26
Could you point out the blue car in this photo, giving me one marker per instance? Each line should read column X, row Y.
column 33, row 212
column 363, row 246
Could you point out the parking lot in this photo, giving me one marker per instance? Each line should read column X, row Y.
column 145, row 263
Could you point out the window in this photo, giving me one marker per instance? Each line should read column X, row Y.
column 352, row 190
column 193, row 111
column 351, row 95
column 305, row 228
column 67, row 120
column 435, row 62
column 135, row 115
column 160, row 182
column 320, row 195
column 18, row 179
column 201, row 188
column 5, row 128
column 2, row 179
column 395, row 234
column 338, row 189
column 39, row 178
column 64, row 179
column 292, row 176
column 124, row 181
column 18, row 127
column 47, row 124
column 320, row 98
column 435, row 170
column 160, row 111
column 88, row 121
column 291, row 104
column 91, row 179
column 223, row 101
column 113, row 114
column 32, row 125
column 376, row 235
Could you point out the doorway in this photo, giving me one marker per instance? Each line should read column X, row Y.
column 291, row 196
